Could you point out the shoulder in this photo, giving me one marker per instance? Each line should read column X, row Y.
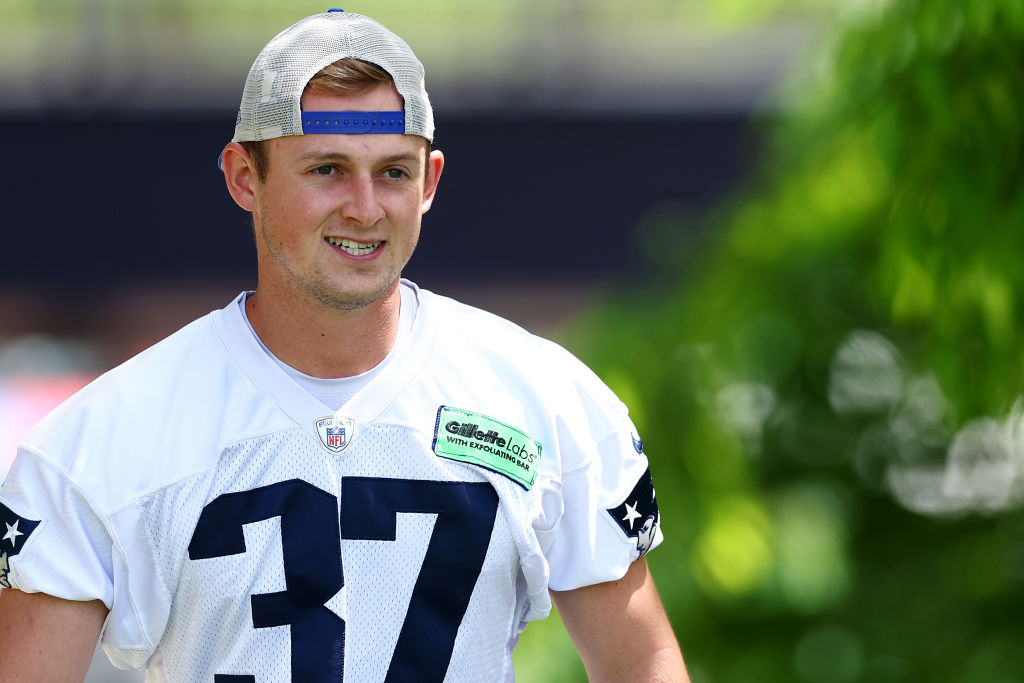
column 146, row 422
column 133, row 383
column 474, row 329
column 476, row 332
column 492, row 361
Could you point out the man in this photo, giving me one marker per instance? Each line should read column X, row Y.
column 339, row 474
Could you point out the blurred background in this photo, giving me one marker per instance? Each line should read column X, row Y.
column 786, row 232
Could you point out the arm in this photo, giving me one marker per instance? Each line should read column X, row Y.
column 44, row 639
column 621, row 630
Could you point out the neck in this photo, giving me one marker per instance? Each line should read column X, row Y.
column 325, row 342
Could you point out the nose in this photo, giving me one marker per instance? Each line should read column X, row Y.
column 361, row 205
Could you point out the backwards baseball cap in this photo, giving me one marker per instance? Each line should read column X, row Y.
column 271, row 101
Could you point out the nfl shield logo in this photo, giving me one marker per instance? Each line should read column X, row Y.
column 335, row 432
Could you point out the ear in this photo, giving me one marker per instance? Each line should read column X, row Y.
column 239, row 174
column 435, row 164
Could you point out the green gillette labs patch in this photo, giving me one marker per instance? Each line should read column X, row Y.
column 480, row 440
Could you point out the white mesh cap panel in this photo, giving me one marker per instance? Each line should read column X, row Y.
column 271, row 100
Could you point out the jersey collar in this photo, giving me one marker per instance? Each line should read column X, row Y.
column 304, row 409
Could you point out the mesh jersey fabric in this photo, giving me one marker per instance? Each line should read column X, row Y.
column 190, row 491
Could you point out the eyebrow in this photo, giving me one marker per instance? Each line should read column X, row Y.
column 338, row 156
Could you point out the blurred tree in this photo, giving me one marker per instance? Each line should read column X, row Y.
column 830, row 395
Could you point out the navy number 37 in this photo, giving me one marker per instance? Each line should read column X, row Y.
column 311, row 545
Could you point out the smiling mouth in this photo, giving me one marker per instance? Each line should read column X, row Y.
column 354, row 248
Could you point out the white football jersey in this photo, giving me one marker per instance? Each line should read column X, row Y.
column 241, row 532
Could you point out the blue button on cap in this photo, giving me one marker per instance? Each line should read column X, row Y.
column 335, row 9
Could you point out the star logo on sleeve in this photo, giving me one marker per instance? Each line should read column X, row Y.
column 638, row 515
column 13, row 533
column 631, row 514
column 18, row 529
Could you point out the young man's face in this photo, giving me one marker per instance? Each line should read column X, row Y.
column 338, row 215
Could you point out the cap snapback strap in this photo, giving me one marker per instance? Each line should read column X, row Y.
column 353, row 122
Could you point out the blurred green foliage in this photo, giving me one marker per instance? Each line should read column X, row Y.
column 829, row 394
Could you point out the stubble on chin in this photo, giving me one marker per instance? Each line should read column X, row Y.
column 319, row 289
column 315, row 284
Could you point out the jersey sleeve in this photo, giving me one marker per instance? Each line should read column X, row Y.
column 610, row 514
column 55, row 543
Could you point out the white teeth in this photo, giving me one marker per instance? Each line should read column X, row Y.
column 353, row 247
